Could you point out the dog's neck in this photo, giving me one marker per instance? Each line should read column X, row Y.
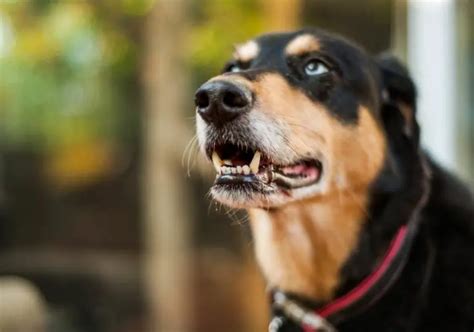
column 302, row 247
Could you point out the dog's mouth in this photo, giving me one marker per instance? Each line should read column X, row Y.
column 241, row 165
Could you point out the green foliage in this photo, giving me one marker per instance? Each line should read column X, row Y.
column 64, row 76
column 69, row 69
column 217, row 25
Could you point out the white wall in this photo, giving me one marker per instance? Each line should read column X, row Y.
column 431, row 58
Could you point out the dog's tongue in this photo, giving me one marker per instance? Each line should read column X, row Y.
column 301, row 170
column 294, row 170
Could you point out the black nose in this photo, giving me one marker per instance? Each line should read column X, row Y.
column 219, row 102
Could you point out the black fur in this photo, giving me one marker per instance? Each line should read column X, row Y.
column 435, row 291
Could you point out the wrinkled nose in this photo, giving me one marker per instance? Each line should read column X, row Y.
column 219, row 102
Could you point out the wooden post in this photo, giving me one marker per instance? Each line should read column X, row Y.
column 167, row 226
column 282, row 14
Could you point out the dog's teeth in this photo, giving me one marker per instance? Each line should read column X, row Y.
column 246, row 170
column 227, row 162
column 233, row 170
column 255, row 163
column 239, row 169
column 216, row 160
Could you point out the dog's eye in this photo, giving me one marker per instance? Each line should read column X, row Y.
column 315, row 68
column 234, row 68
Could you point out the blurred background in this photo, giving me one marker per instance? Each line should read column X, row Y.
column 105, row 221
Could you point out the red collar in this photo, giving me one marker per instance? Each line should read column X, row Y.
column 368, row 283
column 366, row 293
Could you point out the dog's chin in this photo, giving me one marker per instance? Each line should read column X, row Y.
column 248, row 196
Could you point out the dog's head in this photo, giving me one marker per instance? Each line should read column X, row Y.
column 296, row 116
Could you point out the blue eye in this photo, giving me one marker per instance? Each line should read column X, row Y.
column 315, row 68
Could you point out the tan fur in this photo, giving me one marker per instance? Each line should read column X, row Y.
column 353, row 152
column 302, row 44
column 247, row 51
column 302, row 246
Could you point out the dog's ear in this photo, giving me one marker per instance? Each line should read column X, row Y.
column 398, row 92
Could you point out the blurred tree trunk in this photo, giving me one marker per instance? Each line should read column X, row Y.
column 282, row 14
column 167, row 213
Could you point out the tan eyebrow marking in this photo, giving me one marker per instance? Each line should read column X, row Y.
column 247, row 51
column 302, row 44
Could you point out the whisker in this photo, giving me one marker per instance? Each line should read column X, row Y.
column 229, row 212
column 239, row 221
column 187, row 153
column 192, row 157
column 188, row 146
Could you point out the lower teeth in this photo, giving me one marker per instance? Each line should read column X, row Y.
column 245, row 170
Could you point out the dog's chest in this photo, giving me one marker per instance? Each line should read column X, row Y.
column 285, row 255
column 301, row 251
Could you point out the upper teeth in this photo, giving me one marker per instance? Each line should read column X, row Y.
column 226, row 166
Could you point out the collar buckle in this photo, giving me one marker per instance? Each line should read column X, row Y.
column 299, row 314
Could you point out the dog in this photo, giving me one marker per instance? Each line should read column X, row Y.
column 355, row 227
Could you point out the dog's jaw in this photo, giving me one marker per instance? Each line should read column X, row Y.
column 243, row 199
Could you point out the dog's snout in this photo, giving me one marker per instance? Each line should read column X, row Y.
column 219, row 102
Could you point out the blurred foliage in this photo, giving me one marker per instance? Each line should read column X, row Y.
column 66, row 66
column 217, row 26
column 64, row 72
column 70, row 70
column 69, row 86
